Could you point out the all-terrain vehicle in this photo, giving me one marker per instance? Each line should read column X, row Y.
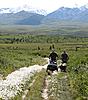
column 52, row 66
column 63, row 67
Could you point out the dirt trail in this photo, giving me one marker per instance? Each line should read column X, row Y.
column 26, row 91
column 45, row 90
column 63, row 89
column 57, row 88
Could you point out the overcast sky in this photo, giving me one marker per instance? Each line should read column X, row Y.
column 48, row 5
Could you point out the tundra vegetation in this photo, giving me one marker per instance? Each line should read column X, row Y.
column 23, row 49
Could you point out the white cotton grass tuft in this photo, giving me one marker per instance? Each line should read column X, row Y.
column 16, row 80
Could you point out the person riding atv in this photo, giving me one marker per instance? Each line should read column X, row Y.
column 52, row 66
column 64, row 59
column 53, row 56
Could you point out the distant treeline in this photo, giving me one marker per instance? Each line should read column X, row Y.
column 26, row 38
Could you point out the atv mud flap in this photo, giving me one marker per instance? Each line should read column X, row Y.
column 52, row 67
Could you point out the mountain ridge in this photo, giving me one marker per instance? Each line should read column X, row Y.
column 68, row 14
column 25, row 8
column 23, row 17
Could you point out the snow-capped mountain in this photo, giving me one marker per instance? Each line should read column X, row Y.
column 26, row 15
column 68, row 14
column 25, row 8
column 83, row 8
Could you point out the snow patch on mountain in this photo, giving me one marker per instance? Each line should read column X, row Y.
column 30, row 9
column 25, row 8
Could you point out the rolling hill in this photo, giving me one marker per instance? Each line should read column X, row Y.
column 22, row 17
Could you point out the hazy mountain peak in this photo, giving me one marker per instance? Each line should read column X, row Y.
column 25, row 8
column 26, row 15
column 83, row 8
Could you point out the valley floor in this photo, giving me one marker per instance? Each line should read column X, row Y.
column 33, row 83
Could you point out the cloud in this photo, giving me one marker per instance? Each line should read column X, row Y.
column 49, row 5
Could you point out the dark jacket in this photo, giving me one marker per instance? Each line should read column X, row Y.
column 53, row 56
column 64, row 57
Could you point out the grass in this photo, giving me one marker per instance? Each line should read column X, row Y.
column 20, row 50
column 37, row 87
column 13, row 57
column 59, row 88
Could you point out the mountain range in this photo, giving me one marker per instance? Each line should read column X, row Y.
column 29, row 16
column 25, row 8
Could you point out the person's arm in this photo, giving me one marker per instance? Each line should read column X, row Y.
column 57, row 55
column 49, row 56
column 67, row 57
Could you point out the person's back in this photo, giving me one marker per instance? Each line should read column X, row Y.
column 53, row 56
column 64, row 57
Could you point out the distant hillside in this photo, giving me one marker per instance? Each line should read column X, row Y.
column 68, row 14
column 62, row 14
column 22, row 17
column 32, row 20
